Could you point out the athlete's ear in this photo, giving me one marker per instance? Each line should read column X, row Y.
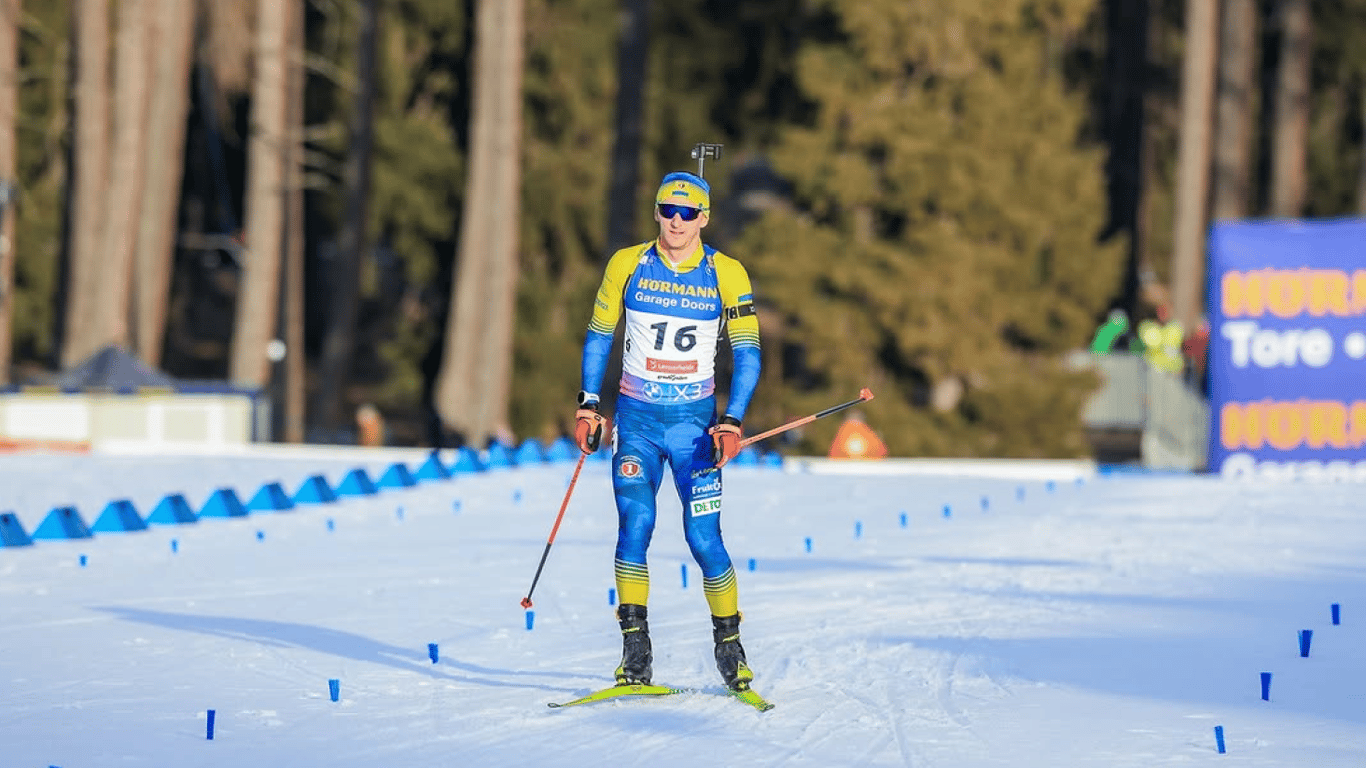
column 705, row 218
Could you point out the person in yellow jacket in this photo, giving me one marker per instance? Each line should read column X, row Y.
column 676, row 296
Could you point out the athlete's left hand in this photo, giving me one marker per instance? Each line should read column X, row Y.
column 725, row 440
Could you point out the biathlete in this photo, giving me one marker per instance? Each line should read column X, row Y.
column 676, row 295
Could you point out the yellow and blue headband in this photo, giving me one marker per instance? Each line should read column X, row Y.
column 683, row 188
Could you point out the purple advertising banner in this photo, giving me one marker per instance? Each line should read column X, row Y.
column 1287, row 357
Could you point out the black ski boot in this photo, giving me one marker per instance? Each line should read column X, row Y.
column 636, row 655
column 730, row 655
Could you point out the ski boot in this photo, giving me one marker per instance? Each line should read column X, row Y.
column 636, row 655
column 730, row 655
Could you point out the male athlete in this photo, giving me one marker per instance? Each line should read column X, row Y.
column 676, row 295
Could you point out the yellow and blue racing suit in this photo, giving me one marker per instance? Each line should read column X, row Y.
column 674, row 317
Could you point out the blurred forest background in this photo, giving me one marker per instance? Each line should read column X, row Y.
column 408, row 203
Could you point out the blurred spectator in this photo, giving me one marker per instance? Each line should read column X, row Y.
column 369, row 426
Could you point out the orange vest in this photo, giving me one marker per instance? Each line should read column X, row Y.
column 856, row 440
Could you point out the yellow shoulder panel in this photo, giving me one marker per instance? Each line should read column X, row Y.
column 607, row 305
column 737, row 299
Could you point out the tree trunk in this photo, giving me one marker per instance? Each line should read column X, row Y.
column 1290, row 135
column 90, row 158
column 9, row 87
column 163, row 154
column 1361, row 179
column 1237, row 80
column 258, row 290
column 633, row 55
column 133, row 45
column 496, row 361
column 1193, row 163
column 295, row 363
column 471, row 392
column 1127, row 24
column 335, row 366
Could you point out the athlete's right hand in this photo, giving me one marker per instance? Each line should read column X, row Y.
column 588, row 428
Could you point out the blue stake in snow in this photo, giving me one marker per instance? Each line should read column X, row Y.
column 209, row 727
column 530, row 620
column 1266, row 686
column 1337, row 614
column 903, row 519
column 175, row 546
column 1219, row 738
column 331, row 524
column 83, row 561
column 683, row 570
column 260, row 535
column 752, row 564
column 808, row 543
column 948, row 511
column 611, row 595
column 334, row 689
column 432, row 652
column 858, row 529
column 1305, row 636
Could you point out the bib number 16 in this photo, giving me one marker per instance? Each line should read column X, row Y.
column 684, row 339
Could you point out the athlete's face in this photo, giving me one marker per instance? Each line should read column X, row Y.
column 676, row 233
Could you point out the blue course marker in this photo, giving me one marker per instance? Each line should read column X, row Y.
column 530, row 620
column 208, row 728
column 433, row 652
column 683, row 571
column 1305, row 636
column 1219, row 738
column 1266, row 686
column 1337, row 614
column 334, row 689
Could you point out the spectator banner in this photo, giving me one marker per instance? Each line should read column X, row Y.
column 1287, row 359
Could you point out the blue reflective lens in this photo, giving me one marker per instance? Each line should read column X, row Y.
column 668, row 211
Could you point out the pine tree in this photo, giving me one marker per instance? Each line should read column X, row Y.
column 41, row 151
column 942, row 249
column 570, row 92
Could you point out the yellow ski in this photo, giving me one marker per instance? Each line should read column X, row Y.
column 751, row 698
column 618, row 691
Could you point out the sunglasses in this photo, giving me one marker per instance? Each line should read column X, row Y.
column 668, row 211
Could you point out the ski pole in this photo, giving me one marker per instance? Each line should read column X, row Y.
column 864, row 396
column 526, row 601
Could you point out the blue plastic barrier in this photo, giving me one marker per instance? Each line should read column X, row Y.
column 62, row 523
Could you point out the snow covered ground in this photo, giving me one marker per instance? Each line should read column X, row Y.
column 1113, row 622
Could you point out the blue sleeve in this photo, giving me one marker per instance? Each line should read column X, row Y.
column 596, row 349
column 748, row 362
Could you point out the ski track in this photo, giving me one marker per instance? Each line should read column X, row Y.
column 994, row 636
